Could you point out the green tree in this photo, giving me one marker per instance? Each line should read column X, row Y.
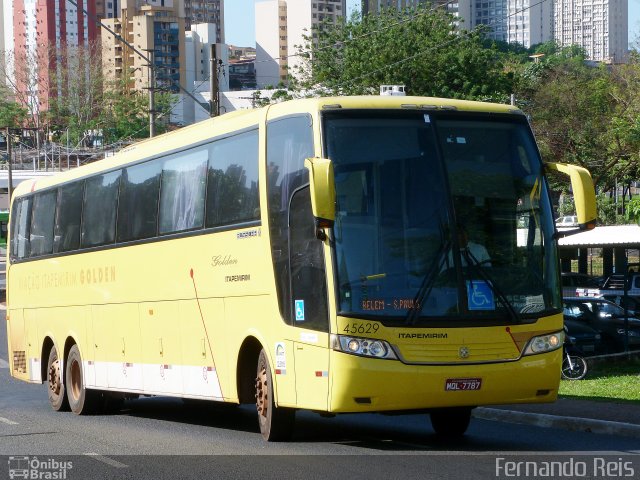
column 125, row 113
column 633, row 210
column 12, row 114
column 571, row 108
column 420, row 48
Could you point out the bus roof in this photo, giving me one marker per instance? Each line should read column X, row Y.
column 240, row 119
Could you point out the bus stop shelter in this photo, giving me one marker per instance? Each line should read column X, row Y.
column 615, row 241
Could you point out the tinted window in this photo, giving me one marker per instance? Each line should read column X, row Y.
column 308, row 280
column 138, row 204
column 67, row 228
column 182, row 193
column 20, row 228
column 232, row 191
column 42, row 220
column 99, row 211
column 289, row 142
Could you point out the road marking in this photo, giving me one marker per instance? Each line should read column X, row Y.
column 4, row 363
column 7, row 421
column 107, row 460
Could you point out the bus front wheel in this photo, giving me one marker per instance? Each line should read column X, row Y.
column 450, row 422
column 56, row 390
column 81, row 400
column 276, row 423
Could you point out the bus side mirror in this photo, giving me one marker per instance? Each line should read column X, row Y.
column 584, row 195
column 323, row 191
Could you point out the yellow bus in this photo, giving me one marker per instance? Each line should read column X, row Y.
column 352, row 254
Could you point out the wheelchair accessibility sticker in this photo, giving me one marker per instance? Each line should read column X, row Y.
column 480, row 295
column 299, row 304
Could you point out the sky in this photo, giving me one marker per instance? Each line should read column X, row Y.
column 240, row 21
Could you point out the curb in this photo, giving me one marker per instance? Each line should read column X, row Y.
column 574, row 424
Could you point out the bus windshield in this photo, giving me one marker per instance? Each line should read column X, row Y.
column 440, row 216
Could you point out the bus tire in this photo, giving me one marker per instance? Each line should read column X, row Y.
column 276, row 423
column 81, row 400
column 56, row 390
column 450, row 422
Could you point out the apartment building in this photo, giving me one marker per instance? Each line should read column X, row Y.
column 205, row 11
column 35, row 34
column 281, row 27
column 271, row 42
column 151, row 26
column 599, row 26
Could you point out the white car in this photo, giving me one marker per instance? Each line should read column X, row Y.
column 568, row 221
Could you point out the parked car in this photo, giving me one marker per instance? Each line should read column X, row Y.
column 567, row 221
column 632, row 303
column 605, row 317
column 587, row 340
column 573, row 280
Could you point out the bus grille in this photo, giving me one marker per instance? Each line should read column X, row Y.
column 477, row 353
column 20, row 361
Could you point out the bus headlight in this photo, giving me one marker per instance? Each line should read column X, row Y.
column 365, row 347
column 544, row 343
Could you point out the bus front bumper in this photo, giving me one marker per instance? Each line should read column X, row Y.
column 360, row 384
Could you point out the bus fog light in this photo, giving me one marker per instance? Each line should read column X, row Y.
column 365, row 347
column 544, row 343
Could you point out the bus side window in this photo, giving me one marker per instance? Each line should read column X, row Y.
column 99, row 210
column 21, row 220
column 67, row 229
column 232, row 187
column 138, row 202
column 42, row 220
column 182, row 192
column 308, row 278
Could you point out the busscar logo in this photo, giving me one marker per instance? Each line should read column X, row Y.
column 36, row 469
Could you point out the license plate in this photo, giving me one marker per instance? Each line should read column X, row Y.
column 460, row 384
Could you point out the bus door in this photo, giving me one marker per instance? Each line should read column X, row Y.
column 309, row 303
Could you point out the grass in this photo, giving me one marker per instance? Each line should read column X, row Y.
column 611, row 381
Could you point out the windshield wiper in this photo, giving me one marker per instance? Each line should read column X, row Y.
column 427, row 284
column 477, row 267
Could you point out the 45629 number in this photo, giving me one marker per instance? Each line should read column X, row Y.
column 361, row 328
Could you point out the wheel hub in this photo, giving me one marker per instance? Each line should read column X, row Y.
column 262, row 392
column 54, row 377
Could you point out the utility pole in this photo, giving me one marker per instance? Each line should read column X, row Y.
column 214, row 103
column 9, row 162
column 152, row 89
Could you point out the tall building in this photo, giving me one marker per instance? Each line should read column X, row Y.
column 205, row 11
column 154, row 27
column 599, row 26
column 523, row 21
column 529, row 22
column 2, row 47
column 281, row 26
column 40, row 30
column 198, row 43
column 374, row 6
column 271, row 42
column 107, row 8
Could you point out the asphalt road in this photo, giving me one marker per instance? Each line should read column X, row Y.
column 164, row 438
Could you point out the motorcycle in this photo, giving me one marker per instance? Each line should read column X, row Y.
column 574, row 366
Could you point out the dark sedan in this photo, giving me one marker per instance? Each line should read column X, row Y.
column 585, row 339
column 605, row 317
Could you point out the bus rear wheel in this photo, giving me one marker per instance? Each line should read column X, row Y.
column 276, row 423
column 56, row 390
column 450, row 422
column 81, row 400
